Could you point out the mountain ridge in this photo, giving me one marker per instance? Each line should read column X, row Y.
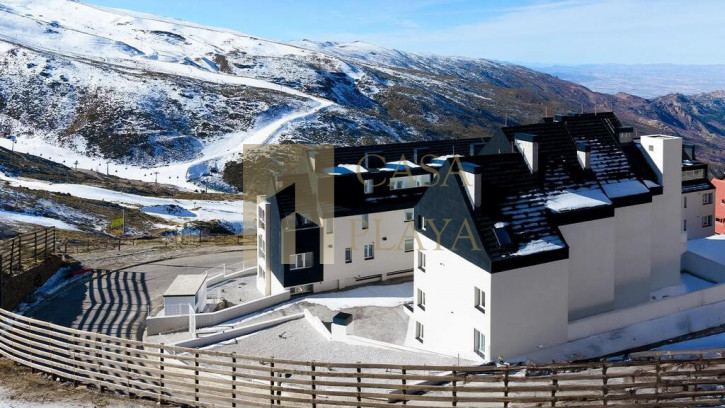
column 161, row 95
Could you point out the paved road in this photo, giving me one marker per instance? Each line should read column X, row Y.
column 117, row 303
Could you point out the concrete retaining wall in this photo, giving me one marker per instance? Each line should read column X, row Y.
column 620, row 318
column 703, row 267
column 167, row 324
column 234, row 333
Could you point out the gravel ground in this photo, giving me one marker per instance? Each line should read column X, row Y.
column 238, row 290
column 298, row 340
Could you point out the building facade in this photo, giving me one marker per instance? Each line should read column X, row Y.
column 698, row 197
column 508, row 240
column 719, row 205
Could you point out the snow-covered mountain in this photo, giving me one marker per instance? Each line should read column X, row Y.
column 158, row 98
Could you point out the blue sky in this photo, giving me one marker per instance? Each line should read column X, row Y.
column 532, row 31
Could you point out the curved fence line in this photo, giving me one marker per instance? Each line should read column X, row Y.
column 206, row 378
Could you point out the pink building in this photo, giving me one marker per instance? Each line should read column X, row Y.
column 719, row 205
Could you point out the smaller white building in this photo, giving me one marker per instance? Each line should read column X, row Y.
column 185, row 291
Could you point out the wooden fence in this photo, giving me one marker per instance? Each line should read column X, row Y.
column 26, row 250
column 75, row 246
column 212, row 379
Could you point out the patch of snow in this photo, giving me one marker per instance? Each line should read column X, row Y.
column 577, row 199
column 651, row 184
column 539, row 245
column 624, row 188
column 379, row 295
column 712, row 248
column 204, row 210
column 36, row 220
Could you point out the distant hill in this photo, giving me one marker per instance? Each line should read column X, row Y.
column 644, row 80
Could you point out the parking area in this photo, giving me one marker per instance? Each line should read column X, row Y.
column 118, row 302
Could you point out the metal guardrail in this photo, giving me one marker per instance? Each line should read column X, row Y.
column 204, row 378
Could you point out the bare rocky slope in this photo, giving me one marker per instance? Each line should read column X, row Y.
column 149, row 91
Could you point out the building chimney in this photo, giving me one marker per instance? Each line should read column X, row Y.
column 471, row 174
column 625, row 134
column 584, row 154
column 528, row 145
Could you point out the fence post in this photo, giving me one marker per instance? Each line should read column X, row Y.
column 658, row 377
column 12, row 254
column 196, row 377
column 405, row 391
column 314, row 386
column 555, row 385
column 605, row 390
column 234, row 381
column 35, row 245
column 359, row 389
column 455, row 392
column 161, row 374
column 506, row 386
column 271, row 383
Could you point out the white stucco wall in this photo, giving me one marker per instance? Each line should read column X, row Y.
column 264, row 280
column 664, row 154
column 450, row 314
column 385, row 231
column 632, row 262
column 525, row 307
column 529, row 308
column 591, row 266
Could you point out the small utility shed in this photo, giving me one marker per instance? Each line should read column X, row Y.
column 185, row 291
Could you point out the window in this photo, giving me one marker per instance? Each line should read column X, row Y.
column 369, row 251
column 260, row 272
column 301, row 261
column 421, row 299
column 365, row 221
column 651, row 148
column 261, row 246
column 684, row 202
column 348, row 255
column 421, row 261
column 408, row 245
column 707, row 198
column 421, row 222
column 408, row 215
column 479, row 343
column 260, row 217
column 707, row 221
column 368, row 186
column 419, row 331
column 328, row 225
column 480, row 299
column 684, row 225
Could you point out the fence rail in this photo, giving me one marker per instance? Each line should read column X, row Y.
column 25, row 250
column 206, row 378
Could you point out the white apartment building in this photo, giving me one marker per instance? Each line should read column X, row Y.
column 547, row 224
column 698, row 197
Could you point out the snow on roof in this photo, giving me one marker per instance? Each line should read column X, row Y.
column 186, row 285
column 651, row 184
column 712, row 248
column 624, row 188
column 440, row 160
column 396, row 165
column 345, row 169
column 577, row 199
column 539, row 245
